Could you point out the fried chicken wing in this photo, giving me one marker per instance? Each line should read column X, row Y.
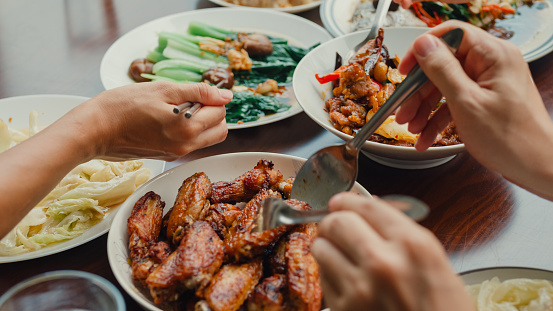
column 268, row 295
column 244, row 187
column 221, row 216
column 143, row 227
column 232, row 285
column 304, row 287
column 192, row 199
column 190, row 266
column 242, row 244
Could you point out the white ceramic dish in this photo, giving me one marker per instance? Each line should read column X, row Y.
column 311, row 95
column 52, row 107
column 292, row 9
column 220, row 167
column 136, row 43
column 504, row 273
column 535, row 39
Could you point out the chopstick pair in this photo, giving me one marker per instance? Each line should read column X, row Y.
column 190, row 108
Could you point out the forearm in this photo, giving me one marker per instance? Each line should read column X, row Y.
column 33, row 168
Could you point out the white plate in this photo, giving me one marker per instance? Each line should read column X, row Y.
column 136, row 43
column 535, row 40
column 218, row 168
column 292, row 9
column 50, row 108
column 312, row 95
column 504, row 273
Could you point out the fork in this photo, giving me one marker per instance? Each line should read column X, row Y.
column 276, row 212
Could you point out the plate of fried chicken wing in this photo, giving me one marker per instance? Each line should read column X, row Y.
column 184, row 240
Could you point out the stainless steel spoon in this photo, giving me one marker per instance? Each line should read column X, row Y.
column 333, row 169
column 275, row 212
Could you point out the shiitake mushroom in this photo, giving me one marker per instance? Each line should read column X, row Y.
column 138, row 67
column 257, row 45
column 222, row 77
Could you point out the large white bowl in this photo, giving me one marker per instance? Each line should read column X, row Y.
column 220, row 167
column 311, row 95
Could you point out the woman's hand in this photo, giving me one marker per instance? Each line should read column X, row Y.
column 491, row 97
column 137, row 121
column 373, row 257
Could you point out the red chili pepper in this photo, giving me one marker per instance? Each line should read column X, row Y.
column 377, row 84
column 327, row 78
column 498, row 7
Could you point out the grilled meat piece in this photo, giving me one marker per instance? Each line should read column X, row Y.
column 244, row 187
column 304, row 287
column 232, row 285
column 192, row 199
column 268, row 295
column 190, row 266
column 221, row 216
column 242, row 244
column 143, row 227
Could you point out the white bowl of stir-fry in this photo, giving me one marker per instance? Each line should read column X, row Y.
column 341, row 97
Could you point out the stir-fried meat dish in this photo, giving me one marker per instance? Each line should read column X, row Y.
column 364, row 84
column 203, row 254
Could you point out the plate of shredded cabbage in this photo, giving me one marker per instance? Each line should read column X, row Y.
column 510, row 288
column 82, row 206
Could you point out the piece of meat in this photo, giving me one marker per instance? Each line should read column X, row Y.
column 192, row 199
column 191, row 266
column 232, row 285
column 268, row 295
column 285, row 187
column 221, row 216
column 240, row 243
column 304, row 287
column 244, row 187
column 143, row 227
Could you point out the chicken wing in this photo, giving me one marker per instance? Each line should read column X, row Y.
column 304, row 287
column 244, row 187
column 143, row 227
column 221, row 216
column 192, row 199
column 268, row 295
column 240, row 243
column 190, row 266
column 232, row 285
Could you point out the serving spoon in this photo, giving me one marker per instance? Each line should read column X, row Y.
column 333, row 169
column 381, row 11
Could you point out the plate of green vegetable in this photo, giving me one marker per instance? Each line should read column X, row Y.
column 185, row 47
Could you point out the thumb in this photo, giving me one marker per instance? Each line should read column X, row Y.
column 441, row 66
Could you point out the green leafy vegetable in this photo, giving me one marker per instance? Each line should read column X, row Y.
column 246, row 106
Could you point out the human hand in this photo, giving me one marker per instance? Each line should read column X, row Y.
column 491, row 97
column 137, row 121
column 373, row 257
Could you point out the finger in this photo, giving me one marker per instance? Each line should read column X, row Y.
column 348, row 232
column 420, row 121
column 207, row 116
column 203, row 93
column 334, row 266
column 206, row 138
column 408, row 110
column 435, row 126
column 377, row 213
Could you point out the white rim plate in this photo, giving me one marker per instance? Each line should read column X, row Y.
column 50, row 108
column 219, row 167
column 137, row 42
column 336, row 17
column 292, row 9
column 504, row 273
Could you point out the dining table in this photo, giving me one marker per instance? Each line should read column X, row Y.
column 481, row 219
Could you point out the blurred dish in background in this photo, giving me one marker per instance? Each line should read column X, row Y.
column 531, row 28
column 288, row 6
